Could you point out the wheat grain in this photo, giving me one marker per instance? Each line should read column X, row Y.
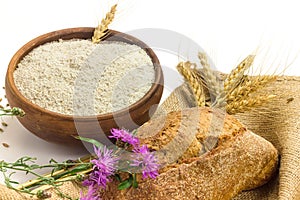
column 186, row 70
column 101, row 29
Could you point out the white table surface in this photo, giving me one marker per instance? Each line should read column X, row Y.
column 227, row 30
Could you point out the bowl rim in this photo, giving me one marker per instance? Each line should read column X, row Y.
column 42, row 39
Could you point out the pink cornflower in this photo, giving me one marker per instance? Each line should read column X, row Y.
column 104, row 166
column 125, row 136
column 146, row 161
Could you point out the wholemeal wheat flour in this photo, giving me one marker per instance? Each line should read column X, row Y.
column 77, row 77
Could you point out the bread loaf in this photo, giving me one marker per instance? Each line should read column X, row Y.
column 240, row 159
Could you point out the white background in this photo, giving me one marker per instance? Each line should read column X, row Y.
column 228, row 30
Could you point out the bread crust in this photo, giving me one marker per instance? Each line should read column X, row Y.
column 240, row 160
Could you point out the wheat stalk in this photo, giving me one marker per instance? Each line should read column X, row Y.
column 101, row 29
column 189, row 73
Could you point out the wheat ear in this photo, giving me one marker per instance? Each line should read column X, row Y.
column 247, row 104
column 211, row 80
column 102, row 28
column 236, row 75
column 189, row 73
column 249, row 86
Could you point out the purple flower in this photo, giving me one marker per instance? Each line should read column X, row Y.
column 104, row 166
column 147, row 161
column 125, row 136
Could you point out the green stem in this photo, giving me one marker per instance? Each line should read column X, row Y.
column 67, row 169
column 24, row 170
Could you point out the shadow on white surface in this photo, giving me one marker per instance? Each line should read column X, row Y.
column 23, row 143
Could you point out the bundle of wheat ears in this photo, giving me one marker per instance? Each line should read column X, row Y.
column 235, row 93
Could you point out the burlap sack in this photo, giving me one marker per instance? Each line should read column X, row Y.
column 277, row 121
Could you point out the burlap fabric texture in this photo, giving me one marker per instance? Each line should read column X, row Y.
column 277, row 121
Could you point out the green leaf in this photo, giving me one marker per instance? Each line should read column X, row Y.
column 134, row 183
column 24, row 159
column 13, row 182
column 118, row 177
column 89, row 140
column 73, row 171
column 35, row 166
column 134, row 132
column 52, row 161
column 125, row 184
column 80, row 167
column 54, row 170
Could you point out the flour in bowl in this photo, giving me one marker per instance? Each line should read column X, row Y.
column 77, row 77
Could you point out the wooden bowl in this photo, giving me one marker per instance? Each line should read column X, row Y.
column 59, row 128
